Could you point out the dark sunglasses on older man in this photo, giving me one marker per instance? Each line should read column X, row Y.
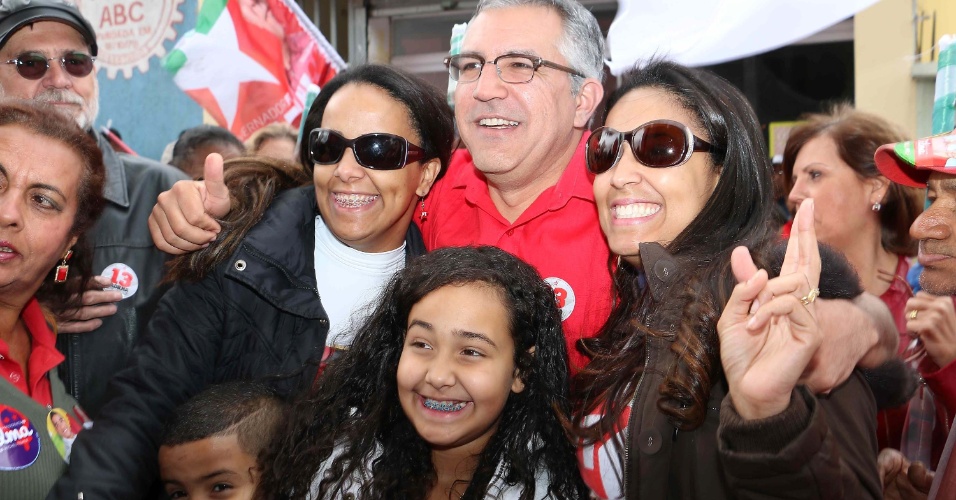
column 379, row 151
column 656, row 144
column 33, row 65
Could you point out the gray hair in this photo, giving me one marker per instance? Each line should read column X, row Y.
column 582, row 44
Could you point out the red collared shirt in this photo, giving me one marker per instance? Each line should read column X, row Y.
column 559, row 234
column 43, row 357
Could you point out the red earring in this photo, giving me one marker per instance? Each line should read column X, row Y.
column 63, row 269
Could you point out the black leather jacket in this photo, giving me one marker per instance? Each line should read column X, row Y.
column 121, row 237
column 256, row 315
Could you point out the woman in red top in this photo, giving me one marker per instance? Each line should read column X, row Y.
column 51, row 180
column 859, row 211
column 864, row 216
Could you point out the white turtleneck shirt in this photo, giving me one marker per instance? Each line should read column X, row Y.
column 350, row 282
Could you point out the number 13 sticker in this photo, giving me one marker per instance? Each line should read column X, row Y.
column 563, row 295
column 122, row 278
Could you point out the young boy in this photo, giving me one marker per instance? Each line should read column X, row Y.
column 213, row 441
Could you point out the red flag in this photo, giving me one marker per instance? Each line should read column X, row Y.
column 249, row 63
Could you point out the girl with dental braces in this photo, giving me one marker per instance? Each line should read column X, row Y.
column 360, row 433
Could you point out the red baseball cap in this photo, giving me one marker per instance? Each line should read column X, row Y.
column 910, row 163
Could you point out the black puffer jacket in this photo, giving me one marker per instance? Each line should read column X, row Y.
column 256, row 315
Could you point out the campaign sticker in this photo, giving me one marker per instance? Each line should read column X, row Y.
column 61, row 431
column 19, row 441
column 122, row 278
column 563, row 295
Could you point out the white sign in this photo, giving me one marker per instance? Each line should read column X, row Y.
column 703, row 32
column 129, row 32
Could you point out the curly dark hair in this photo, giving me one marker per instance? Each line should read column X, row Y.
column 355, row 405
column 42, row 120
column 738, row 212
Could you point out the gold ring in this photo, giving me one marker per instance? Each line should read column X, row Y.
column 810, row 297
column 912, row 314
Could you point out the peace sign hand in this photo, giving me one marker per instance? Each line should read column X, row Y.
column 768, row 331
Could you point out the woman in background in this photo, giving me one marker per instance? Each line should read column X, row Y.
column 867, row 218
column 860, row 213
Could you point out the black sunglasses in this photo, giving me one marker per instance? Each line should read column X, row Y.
column 656, row 144
column 33, row 65
column 379, row 151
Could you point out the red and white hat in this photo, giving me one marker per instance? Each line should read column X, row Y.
column 910, row 163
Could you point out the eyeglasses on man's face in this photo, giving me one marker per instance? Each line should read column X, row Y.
column 511, row 68
column 33, row 65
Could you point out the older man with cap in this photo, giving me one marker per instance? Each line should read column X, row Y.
column 47, row 49
column 930, row 315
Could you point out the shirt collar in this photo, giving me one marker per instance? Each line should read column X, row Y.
column 660, row 268
column 37, row 324
column 114, row 189
column 575, row 182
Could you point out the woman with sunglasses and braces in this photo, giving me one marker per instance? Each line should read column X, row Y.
column 693, row 391
column 273, row 300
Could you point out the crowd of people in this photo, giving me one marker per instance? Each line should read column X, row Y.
column 576, row 297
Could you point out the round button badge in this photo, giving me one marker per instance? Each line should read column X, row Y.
column 563, row 295
column 19, row 441
column 122, row 278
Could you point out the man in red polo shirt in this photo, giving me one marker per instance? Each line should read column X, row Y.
column 522, row 104
column 522, row 184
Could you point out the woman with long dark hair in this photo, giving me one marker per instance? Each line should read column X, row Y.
column 456, row 387
column 687, row 398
